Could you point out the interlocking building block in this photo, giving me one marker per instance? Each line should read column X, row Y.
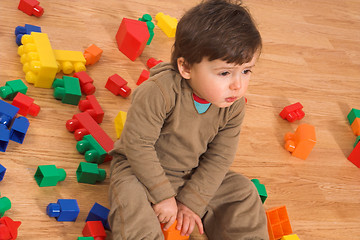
column 119, row 121
column 99, row 213
column 27, row 29
column 37, row 57
column 167, row 24
column 302, row 142
column 5, row 204
column 90, row 173
column 65, row 210
column 7, row 114
column 261, row 189
column 49, row 175
column 93, row 151
column 94, row 229
column 278, row 222
column 354, row 113
column 11, row 88
column 132, row 37
column 2, row 172
column 92, row 54
column 355, row 126
column 172, row 233
column 8, row 228
column 290, row 237
column 69, row 61
column 292, row 112
column 19, row 129
column 354, row 156
column 152, row 62
column 85, row 238
column 92, row 106
column 31, row 7
column 118, row 86
column 86, row 83
column 67, row 90
column 148, row 20
column 26, row 105
column 145, row 74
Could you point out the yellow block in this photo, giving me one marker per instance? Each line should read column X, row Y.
column 38, row 59
column 120, row 122
column 290, row 237
column 167, row 24
column 68, row 61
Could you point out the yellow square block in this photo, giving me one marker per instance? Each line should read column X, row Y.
column 69, row 61
column 120, row 122
column 38, row 59
column 167, row 24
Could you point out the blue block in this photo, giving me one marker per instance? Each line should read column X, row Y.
column 19, row 129
column 65, row 210
column 99, row 213
column 2, row 172
column 20, row 31
column 7, row 113
column 4, row 137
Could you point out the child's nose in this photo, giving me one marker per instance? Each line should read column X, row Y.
column 236, row 83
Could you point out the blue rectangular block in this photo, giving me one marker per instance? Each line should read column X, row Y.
column 69, row 210
column 99, row 213
column 2, row 172
column 19, row 129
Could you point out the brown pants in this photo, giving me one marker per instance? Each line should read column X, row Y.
column 234, row 213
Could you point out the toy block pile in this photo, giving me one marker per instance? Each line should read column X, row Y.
column 354, row 121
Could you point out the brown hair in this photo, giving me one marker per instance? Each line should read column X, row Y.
column 217, row 29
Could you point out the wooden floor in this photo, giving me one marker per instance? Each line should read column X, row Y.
column 311, row 55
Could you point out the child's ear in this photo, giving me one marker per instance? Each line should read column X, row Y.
column 184, row 68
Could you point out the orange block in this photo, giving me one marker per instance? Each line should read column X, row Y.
column 278, row 222
column 302, row 141
column 92, row 54
column 172, row 233
column 355, row 126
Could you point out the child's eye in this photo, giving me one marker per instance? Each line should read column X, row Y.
column 247, row 71
column 224, row 74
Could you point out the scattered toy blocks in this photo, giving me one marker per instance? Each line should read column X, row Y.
column 31, row 7
column 93, row 151
column 27, row 29
column 92, row 54
column 355, row 126
column 26, row 105
column 86, row 83
column 152, row 62
column 8, row 228
column 2, row 172
column 118, row 86
column 167, row 24
column 99, row 213
column 354, row 156
column 92, row 106
column 67, row 90
column 145, row 74
column 290, row 237
column 354, row 113
column 120, row 120
column 49, row 175
column 37, row 57
column 278, row 222
column 94, row 229
column 69, row 61
column 5, row 204
column 302, row 142
column 261, row 189
column 11, row 88
column 292, row 112
column 132, row 37
column 19, row 129
column 172, row 233
column 90, row 173
column 65, row 210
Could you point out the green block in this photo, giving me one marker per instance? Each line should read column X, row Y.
column 11, row 88
column 49, row 175
column 261, row 189
column 93, row 151
column 90, row 173
column 357, row 141
column 354, row 113
column 151, row 27
column 5, row 205
column 85, row 238
column 145, row 18
column 67, row 90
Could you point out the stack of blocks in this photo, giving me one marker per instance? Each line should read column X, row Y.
column 354, row 120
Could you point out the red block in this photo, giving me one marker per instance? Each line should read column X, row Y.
column 145, row 74
column 354, row 156
column 292, row 112
column 92, row 54
column 8, row 228
column 86, row 83
column 94, row 229
column 132, row 37
column 152, row 62
column 118, row 86
column 92, row 106
column 31, row 7
column 26, row 105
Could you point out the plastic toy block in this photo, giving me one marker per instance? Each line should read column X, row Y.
column 302, row 142
column 354, row 113
column 5, row 204
column 8, row 228
column 65, row 210
column 92, row 106
column 357, row 141
column 27, row 29
column 145, row 74
column 37, row 57
column 85, row 238
column 172, row 233
column 19, row 129
column 11, row 88
column 67, row 90
column 49, row 175
column 92, row 54
column 167, row 24
column 290, row 237
column 99, row 213
column 145, row 18
column 94, row 229
column 118, row 86
column 278, row 222
column 261, row 189
column 90, row 173
column 2, row 172
column 69, row 61
column 152, row 62
column 7, row 114
column 86, row 83
column 4, row 137
column 132, row 37
column 355, row 126
column 26, row 105
column 354, row 156
column 31, row 7
column 93, row 151
column 120, row 122
column 292, row 112
column 150, row 25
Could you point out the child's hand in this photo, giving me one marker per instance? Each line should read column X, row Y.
column 186, row 220
column 166, row 212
